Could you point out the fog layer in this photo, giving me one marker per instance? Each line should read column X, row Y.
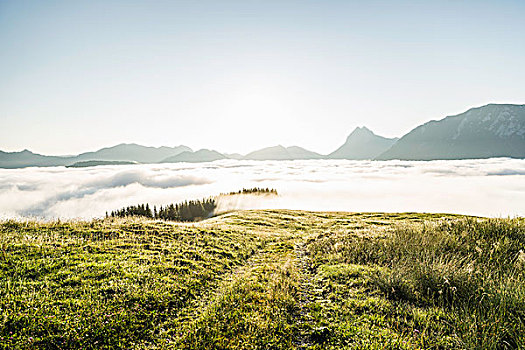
column 492, row 187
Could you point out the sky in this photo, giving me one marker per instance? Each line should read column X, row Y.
column 235, row 76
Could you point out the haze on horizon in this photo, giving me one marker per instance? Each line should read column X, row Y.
column 240, row 75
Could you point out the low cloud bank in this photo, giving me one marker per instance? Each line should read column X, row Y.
column 83, row 193
column 490, row 187
column 226, row 203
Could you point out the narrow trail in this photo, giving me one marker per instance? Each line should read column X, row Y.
column 303, row 318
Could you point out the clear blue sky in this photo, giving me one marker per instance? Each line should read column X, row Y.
column 239, row 75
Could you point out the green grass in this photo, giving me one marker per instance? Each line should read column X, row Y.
column 265, row 279
column 453, row 283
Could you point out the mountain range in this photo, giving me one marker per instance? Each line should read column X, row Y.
column 494, row 130
column 119, row 153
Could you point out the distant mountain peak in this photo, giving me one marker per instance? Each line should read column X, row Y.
column 361, row 131
column 362, row 143
column 363, row 128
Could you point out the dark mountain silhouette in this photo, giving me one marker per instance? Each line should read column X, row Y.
column 362, row 144
column 493, row 130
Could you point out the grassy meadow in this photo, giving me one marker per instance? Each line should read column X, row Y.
column 264, row 279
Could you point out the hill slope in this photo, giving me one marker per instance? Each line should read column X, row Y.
column 362, row 144
column 490, row 131
column 267, row 279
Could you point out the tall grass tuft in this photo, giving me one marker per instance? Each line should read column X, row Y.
column 473, row 269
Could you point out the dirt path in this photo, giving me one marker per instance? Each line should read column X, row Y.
column 306, row 297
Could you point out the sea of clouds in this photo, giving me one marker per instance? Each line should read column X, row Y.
column 490, row 187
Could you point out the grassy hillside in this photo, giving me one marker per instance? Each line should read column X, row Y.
column 264, row 280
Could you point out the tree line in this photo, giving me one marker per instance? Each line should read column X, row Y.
column 193, row 210
column 255, row 190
